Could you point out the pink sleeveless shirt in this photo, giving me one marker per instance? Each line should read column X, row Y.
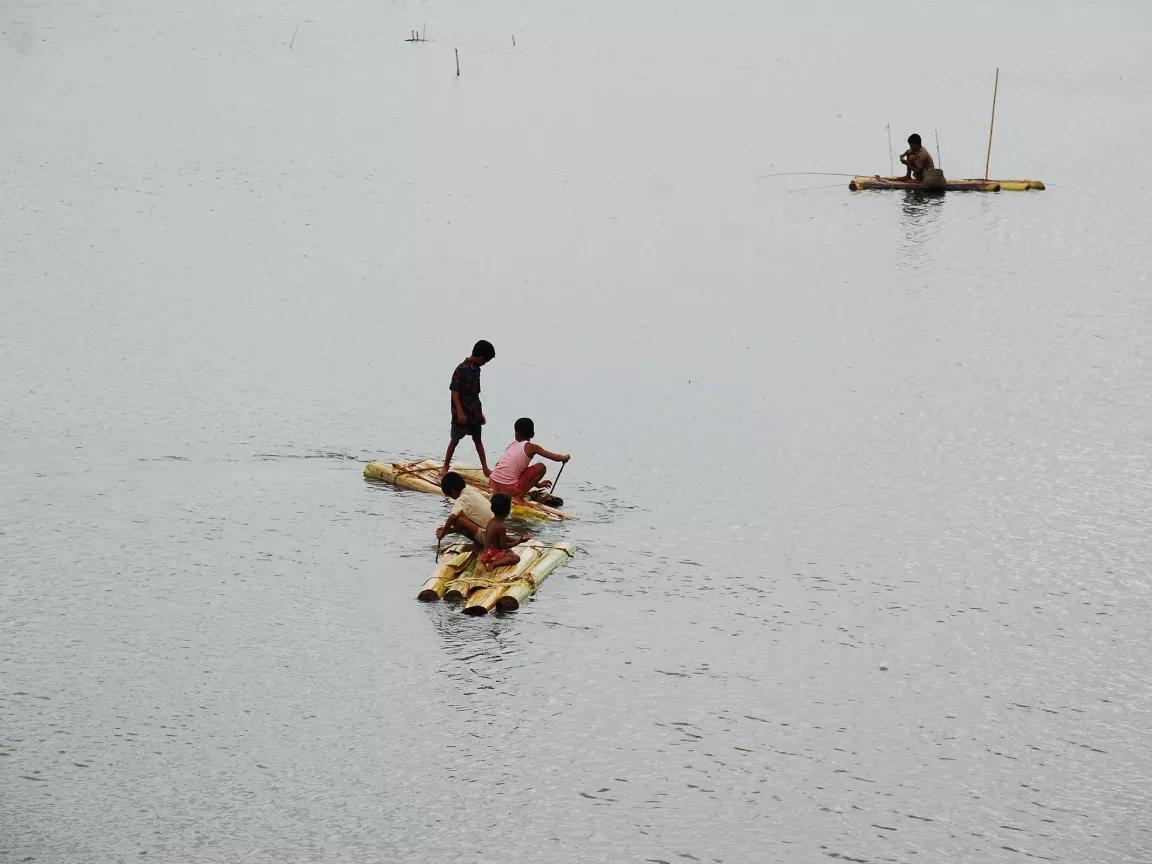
column 512, row 464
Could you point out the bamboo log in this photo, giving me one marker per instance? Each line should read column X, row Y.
column 400, row 475
column 435, row 585
column 482, row 601
column 452, row 562
column 525, row 586
column 457, row 589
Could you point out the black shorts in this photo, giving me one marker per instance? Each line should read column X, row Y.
column 471, row 428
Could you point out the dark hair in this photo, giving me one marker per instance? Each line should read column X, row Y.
column 501, row 505
column 914, row 140
column 484, row 349
column 525, row 428
column 451, row 482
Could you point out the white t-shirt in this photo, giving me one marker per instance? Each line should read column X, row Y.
column 476, row 507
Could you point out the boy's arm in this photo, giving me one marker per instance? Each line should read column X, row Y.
column 537, row 450
column 448, row 525
column 510, row 543
column 459, row 409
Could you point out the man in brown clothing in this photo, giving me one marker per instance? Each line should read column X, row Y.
column 916, row 158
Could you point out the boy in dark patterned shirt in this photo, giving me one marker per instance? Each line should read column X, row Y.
column 467, row 412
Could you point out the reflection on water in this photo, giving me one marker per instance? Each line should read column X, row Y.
column 921, row 214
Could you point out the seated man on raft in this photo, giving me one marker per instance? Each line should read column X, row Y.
column 916, row 159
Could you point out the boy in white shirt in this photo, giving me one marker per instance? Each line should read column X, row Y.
column 471, row 514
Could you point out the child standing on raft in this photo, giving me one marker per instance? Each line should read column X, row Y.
column 514, row 475
column 467, row 412
column 497, row 543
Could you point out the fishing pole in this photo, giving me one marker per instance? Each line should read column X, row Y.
column 804, row 174
column 815, row 188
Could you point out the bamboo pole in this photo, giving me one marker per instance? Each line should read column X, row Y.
column 483, row 600
column 452, row 563
column 992, row 123
column 457, row 50
column 524, row 587
column 457, row 589
column 891, row 167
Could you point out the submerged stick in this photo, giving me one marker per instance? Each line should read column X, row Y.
column 552, row 491
column 457, row 50
column 992, row 123
column 513, row 40
column 293, row 42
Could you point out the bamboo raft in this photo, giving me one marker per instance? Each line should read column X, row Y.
column 424, row 476
column 877, row 182
column 459, row 575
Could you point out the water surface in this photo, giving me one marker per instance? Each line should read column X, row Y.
column 862, row 479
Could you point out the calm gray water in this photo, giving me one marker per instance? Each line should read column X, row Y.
column 863, row 479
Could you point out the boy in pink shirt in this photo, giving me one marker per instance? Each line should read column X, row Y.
column 514, row 474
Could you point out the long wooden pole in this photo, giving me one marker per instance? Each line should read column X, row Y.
column 891, row 169
column 992, row 124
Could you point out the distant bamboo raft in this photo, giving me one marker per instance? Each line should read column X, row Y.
column 878, row 182
column 459, row 576
column 424, row 476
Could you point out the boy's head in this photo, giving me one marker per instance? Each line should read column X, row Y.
column 525, row 429
column 452, row 484
column 483, row 351
column 501, row 505
column 914, row 141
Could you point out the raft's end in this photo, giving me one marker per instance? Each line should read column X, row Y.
column 507, row 603
column 475, row 611
column 428, row 595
